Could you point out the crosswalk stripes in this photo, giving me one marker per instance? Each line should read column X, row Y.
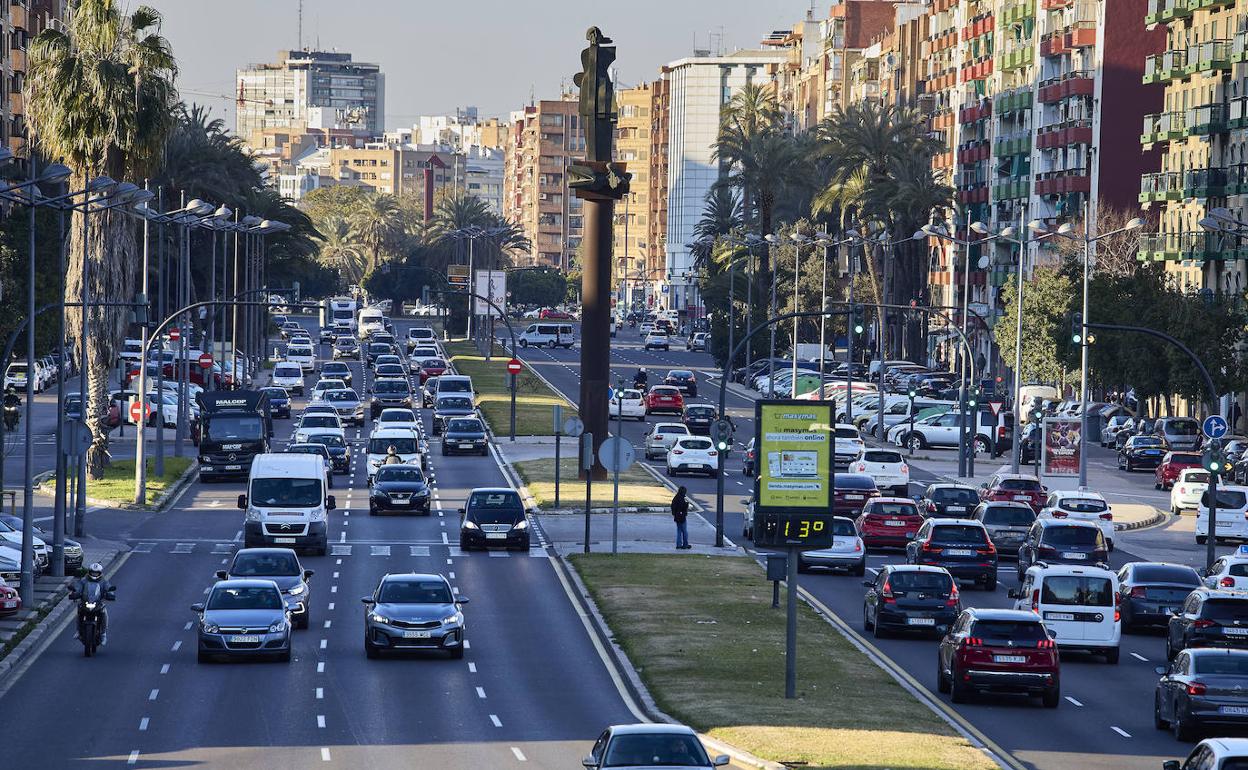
column 418, row 550
column 144, row 547
column 340, row 549
column 184, row 548
column 336, row 549
column 223, row 548
column 379, row 550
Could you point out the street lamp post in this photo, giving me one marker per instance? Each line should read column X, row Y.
column 879, row 416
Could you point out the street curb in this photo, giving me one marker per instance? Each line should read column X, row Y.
column 159, row 505
column 1157, row 518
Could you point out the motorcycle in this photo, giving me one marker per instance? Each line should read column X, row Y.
column 90, row 614
column 12, row 414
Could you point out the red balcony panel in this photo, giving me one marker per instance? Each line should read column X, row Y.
column 1077, row 87
column 1084, row 37
column 1046, row 5
column 1078, row 135
column 1050, row 93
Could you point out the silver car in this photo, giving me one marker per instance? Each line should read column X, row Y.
column 662, row 437
column 1007, row 523
column 243, row 618
column 648, row 746
column 413, row 611
column 347, row 404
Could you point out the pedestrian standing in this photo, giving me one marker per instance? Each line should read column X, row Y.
column 1235, row 415
column 680, row 514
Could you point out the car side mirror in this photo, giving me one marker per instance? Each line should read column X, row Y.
column 307, row 574
column 222, row 574
column 1171, row 764
column 367, row 600
column 330, row 503
column 197, row 607
column 242, row 502
column 1203, row 572
column 589, row 761
column 461, row 599
column 460, row 510
column 1012, row 593
column 1161, row 670
column 1052, row 633
column 720, row 761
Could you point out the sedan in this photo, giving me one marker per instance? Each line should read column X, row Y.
column 279, row 402
column 684, row 380
column 10, row 600
column 657, row 341
column 281, row 565
column 346, row 347
column 1202, row 688
column 347, row 404
column 1152, row 591
column 628, row 402
column 847, row 551
column 73, row 548
column 693, row 454
column 1014, row 487
column 321, row 451
column 428, row 391
column 698, row 418
column 889, row 522
column 243, row 618
column 1172, row 464
column 399, row 489
column 633, row 747
column 337, row 370
column 336, row 445
column 431, row 367
column 411, row 611
column 465, row 435
column 390, row 371
column 662, row 437
column 910, row 598
column 1141, row 452
column 397, row 417
column 664, row 398
column 1187, row 490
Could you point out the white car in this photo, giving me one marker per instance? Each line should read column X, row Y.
column 300, row 352
column 657, row 341
column 15, row 376
column 1187, row 488
column 397, row 417
column 847, row 552
column 322, row 386
column 645, row 328
column 317, row 422
column 693, row 454
column 888, row 469
column 1229, row 571
column 386, row 358
column 1232, row 515
column 1075, row 505
column 662, row 436
column 406, row 444
column 628, row 402
column 288, row 375
column 13, row 537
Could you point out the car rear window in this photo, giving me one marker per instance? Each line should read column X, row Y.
column 1166, row 573
column 1195, row 477
column 892, row 509
column 1077, row 590
column 670, row 429
column 695, row 443
column 1086, row 536
column 955, row 496
column 1184, row 458
column 1181, row 427
column 1083, row 505
column 1221, row 663
column 854, row 481
column 1227, row 498
column 1225, row 610
column 1238, row 570
column 1009, row 515
column 957, row 533
column 881, row 456
column 847, row 433
column 1020, row 485
column 1014, row 632
column 843, row 528
column 905, row 580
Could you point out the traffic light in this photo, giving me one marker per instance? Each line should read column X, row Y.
column 1214, row 460
column 913, row 393
column 1076, row 328
column 855, row 319
column 973, row 397
column 1038, row 415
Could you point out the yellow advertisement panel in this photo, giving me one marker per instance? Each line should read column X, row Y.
column 793, row 451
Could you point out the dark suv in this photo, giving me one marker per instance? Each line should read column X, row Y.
column 851, row 493
column 493, row 517
column 1062, row 542
column 961, row 546
column 910, row 598
column 998, row 651
column 390, row 393
column 951, row 500
column 1211, row 617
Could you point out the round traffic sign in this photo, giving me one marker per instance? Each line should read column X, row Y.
column 1214, row 426
column 513, row 366
column 140, row 408
column 175, row 333
column 573, row 427
column 613, row 446
column 205, row 361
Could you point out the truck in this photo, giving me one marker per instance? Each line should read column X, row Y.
column 342, row 312
column 235, row 427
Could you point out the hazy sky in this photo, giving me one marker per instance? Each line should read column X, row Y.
column 451, row 53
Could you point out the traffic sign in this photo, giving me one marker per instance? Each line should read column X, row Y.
column 607, row 452
column 77, row 438
column 175, row 334
column 573, row 427
column 205, row 360
column 995, row 406
column 513, row 366
column 140, row 407
column 610, row 393
column 721, row 433
column 1214, row 426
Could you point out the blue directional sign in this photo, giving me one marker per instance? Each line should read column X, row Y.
column 610, row 393
column 1214, row 426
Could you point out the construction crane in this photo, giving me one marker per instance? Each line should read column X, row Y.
column 239, row 99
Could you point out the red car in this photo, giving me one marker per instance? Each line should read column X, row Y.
column 1014, row 488
column 851, row 493
column 550, row 314
column 664, row 398
column 888, row 522
column 10, row 602
column 1168, row 472
column 431, row 367
column 999, row 651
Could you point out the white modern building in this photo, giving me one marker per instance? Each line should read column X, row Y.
column 282, row 95
column 483, row 175
column 699, row 88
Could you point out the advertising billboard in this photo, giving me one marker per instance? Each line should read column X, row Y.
column 492, row 284
column 794, row 452
column 1063, row 441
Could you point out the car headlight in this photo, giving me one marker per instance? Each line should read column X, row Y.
column 524, row 524
column 457, row 618
column 210, row 628
column 253, row 513
column 277, row 627
column 380, row 493
column 469, row 524
column 90, row 605
column 379, row 618
column 298, row 590
column 73, row 549
column 317, row 514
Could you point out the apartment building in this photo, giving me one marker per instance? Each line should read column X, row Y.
column 415, row 171
column 850, row 28
column 632, row 214
column 544, row 138
column 20, row 22
column 280, row 94
column 656, row 236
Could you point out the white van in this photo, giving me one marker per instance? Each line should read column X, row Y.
column 288, row 375
column 406, row 444
column 1232, row 514
column 131, row 351
column 1079, row 606
column 286, row 502
column 301, row 353
column 551, row 335
column 372, row 320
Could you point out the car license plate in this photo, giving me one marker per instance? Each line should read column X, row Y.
column 416, row 634
column 495, row 535
column 1009, row 658
column 284, row 540
column 921, row 621
column 1059, row 616
column 853, row 497
column 233, row 467
column 401, row 502
column 1235, row 710
column 1232, row 631
column 955, row 508
column 960, row 552
column 891, row 523
column 1022, row 498
column 465, row 446
column 248, row 639
column 1074, row 555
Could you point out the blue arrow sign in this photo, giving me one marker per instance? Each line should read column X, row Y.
column 1214, row 426
column 610, row 393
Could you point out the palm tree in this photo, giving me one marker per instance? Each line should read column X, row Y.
column 376, row 224
column 100, row 98
column 340, row 249
column 721, row 216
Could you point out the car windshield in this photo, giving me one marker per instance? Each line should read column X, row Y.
column 390, row 386
column 906, row 580
column 697, row 411
column 1081, row 536
column 245, row 598
column 893, row 509
column 273, row 393
column 402, row 445
column 341, row 396
column 414, row 592
column 881, row 456
column 265, row 564
column 1227, row 498
column 1083, row 505
column 1077, row 590
column 465, row 426
column 337, row 369
column 396, row 415
column 288, row 371
column 285, row 493
column 1020, row 485
column 1166, row 573
column 1182, row 428
column 454, row 386
column 1230, row 663
column 1225, row 610
column 957, row 533
column 329, row 384
column 495, row 507
column 655, row 750
column 407, row 474
column 378, row 348
column 224, row 428
column 327, row 440
column 1009, row 515
column 954, row 496
column 455, row 402
column 1018, row 633
column 433, row 363
column 308, row 449
column 318, row 421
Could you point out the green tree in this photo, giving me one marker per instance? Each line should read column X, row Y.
column 100, row 97
column 1046, row 303
column 542, row 287
column 376, row 224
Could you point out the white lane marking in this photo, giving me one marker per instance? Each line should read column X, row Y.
column 177, row 645
column 324, row 643
column 331, row 605
column 338, row 562
column 1072, row 700
column 320, row 721
column 333, row 589
column 320, row 693
column 188, row 625
column 445, row 541
column 324, row 754
column 448, row 561
column 152, row 695
column 328, row 622
column 335, row 576
column 519, row 754
column 472, row 668
column 134, row 757
column 481, row 692
column 1120, row 731
column 223, row 561
column 343, row 539
column 497, row 722
column 1139, row 657
column 467, row 646
column 238, row 536
column 164, row 669
column 320, row 667
column 452, row 576
column 873, row 571
column 143, row 724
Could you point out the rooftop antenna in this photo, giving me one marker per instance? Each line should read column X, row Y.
column 300, row 25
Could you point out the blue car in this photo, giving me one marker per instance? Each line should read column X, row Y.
column 243, row 618
column 279, row 402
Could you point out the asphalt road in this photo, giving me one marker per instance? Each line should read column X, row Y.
column 531, row 689
column 1105, row 719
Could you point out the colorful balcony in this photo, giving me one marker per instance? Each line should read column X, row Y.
column 1009, row 101
column 1018, row 144
column 1191, row 246
column 1204, row 183
column 974, row 112
column 1017, row 12
column 1162, row 11
column 1074, row 83
column 1207, row 119
column 1011, row 190
column 979, row 69
column 1052, row 5
column 1063, row 181
column 1065, row 133
column 973, row 151
column 1209, row 56
column 1238, row 113
column 976, row 192
column 1161, row 186
column 1164, row 126
column 1237, row 180
column 1054, row 43
column 1165, row 66
column 982, row 25
column 1012, row 60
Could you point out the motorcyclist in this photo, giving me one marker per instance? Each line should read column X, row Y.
column 392, row 457
column 95, row 574
column 12, row 403
column 640, row 378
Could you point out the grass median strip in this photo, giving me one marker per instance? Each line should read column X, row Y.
column 118, row 482
column 637, row 487
column 703, row 635
column 534, row 399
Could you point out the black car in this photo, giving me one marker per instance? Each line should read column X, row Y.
column 413, row 612
column 281, row 565
column 328, row 335
column 493, row 517
column 377, row 349
column 1062, row 542
column 1029, row 442
column 339, row 452
column 451, row 405
column 1200, row 689
column 386, row 393
column 698, row 418
column 1141, row 452
column 683, row 379
column 1152, row 591
column 955, row 501
column 399, row 488
column 465, row 434
column 428, row 391
column 1210, row 617
column 910, row 598
column 279, row 402
column 961, row 546
column 336, row 370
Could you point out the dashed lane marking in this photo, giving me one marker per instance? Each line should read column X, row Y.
column 143, row 723
column 1120, row 731
column 481, row 692
column 1139, row 657
column 320, row 693
column 164, row 669
column 177, row 645
column 320, row 667
column 519, row 754
column 324, row 643
column 134, row 757
column 153, row 694
column 1072, row 700
column 497, row 722
column 472, row 668
column 324, row 754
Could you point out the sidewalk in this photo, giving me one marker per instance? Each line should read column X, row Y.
column 638, row 533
